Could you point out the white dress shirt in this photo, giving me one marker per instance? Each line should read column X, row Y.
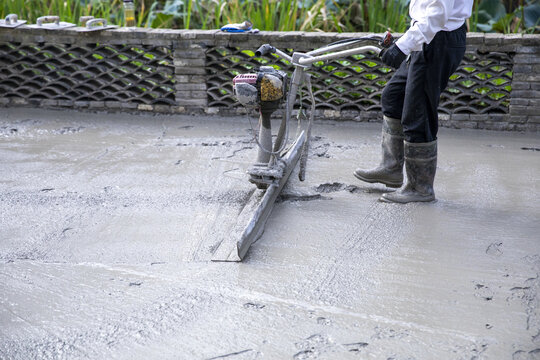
column 431, row 16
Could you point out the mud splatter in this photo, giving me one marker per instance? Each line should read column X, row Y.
column 291, row 197
column 69, row 130
column 483, row 292
column 336, row 187
column 330, row 187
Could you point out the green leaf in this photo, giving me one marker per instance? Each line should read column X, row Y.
column 162, row 20
column 532, row 15
column 494, row 8
column 484, row 17
column 485, row 27
column 503, row 24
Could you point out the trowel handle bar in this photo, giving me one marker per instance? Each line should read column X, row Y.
column 11, row 19
column 84, row 19
column 269, row 49
column 265, row 49
column 96, row 22
column 331, row 51
column 48, row 19
column 308, row 60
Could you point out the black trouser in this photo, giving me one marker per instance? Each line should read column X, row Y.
column 412, row 94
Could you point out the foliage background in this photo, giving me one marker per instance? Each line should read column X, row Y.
column 506, row 16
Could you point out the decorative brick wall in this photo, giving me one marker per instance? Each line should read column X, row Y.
column 181, row 71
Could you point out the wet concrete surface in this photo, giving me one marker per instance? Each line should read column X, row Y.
column 108, row 223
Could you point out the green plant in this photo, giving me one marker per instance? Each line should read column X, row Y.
column 281, row 15
column 67, row 10
column 505, row 17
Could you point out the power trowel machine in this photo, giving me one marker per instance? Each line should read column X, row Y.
column 265, row 90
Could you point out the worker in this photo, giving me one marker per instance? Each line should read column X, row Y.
column 425, row 57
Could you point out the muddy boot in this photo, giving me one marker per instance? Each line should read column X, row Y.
column 390, row 170
column 420, row 167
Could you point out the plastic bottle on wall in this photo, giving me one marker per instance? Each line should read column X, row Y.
column 129, row 13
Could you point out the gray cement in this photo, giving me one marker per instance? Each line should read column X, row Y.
column 108, row 223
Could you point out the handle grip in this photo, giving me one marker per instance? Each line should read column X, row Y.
column 84, row 19
column 12, row 19
column 48, row 19
column 387, row 40
column 265, row 49
column 96, row 22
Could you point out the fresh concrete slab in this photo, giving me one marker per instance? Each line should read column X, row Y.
column 108, row 223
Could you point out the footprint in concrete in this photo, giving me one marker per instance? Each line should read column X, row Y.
column 494, row 249
column 321, row 150
column 305, row 354
column 253, row 306
column 387, row 333
column 355, row 347
column 69, row 130
column 312, row 347
column 526, row 355
column 323, row 321
column 483, row 292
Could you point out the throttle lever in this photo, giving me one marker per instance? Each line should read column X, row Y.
column 387, row 40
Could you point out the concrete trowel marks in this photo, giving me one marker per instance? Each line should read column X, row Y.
column 346, row 273
column 108, row 223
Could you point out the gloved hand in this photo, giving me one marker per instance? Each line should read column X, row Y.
column 392, row 56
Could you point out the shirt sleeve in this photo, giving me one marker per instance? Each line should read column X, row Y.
column 424, row 28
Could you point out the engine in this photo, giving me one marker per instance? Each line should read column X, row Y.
column 264, row 89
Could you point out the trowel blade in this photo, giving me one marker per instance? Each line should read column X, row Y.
column 3, row 24
column 97, row 28
column 252, row 219
column 52, row 26
column 246, row 230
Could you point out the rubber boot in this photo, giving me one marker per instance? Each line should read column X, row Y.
column 420, row 168
column 390, row 170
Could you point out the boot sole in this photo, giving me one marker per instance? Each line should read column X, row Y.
column 372, row 181
column 386, row 200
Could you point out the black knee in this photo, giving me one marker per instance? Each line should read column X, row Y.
column 391, row 106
